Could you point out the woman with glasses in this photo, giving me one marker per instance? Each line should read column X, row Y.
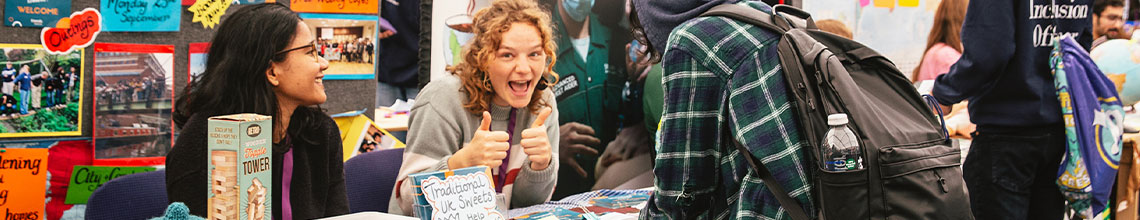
column 263, row 60
column 494, row 110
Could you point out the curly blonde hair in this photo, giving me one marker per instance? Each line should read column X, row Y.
column 488, row 26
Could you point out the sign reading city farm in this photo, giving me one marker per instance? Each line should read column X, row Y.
column 142, row 15
column 336, row 6
column 85, row 179
column 23, row 173
column 77, row 31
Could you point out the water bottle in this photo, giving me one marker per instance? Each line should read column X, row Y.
column 840, row 151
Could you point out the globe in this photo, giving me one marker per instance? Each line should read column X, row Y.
column 1120, row 61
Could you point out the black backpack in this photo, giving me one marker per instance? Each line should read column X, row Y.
column 911, row 168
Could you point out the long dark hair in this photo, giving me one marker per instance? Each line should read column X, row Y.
column 239, row 55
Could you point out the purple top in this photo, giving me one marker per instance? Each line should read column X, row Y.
column 503, row 168
column 286, row 182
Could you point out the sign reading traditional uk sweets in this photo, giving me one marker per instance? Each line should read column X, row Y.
column 467, row 193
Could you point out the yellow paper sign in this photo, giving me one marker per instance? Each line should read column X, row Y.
column 908, row 3
column 23, row 173
column 885, row 3
column 208, row 12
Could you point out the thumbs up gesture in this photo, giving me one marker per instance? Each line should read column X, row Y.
column 535, row 143
column 486, row 148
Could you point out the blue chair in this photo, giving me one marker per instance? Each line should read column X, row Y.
column 135, row 196
column 369, row 179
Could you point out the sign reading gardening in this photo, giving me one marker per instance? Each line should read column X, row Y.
column 23, row 173
column 85, row 179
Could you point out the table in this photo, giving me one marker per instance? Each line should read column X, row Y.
column 581, row 200
column 369, row 216
column 394, row 122
column 1128, row 179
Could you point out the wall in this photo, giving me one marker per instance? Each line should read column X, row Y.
column 344, row 95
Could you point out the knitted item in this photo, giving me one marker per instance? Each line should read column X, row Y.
column 177, row 211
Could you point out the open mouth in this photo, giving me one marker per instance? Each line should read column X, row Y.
column 320, row 79
column 520, row 87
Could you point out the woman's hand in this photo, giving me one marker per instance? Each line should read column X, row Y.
column 487, row 148
column 535, row 143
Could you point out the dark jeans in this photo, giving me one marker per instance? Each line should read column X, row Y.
column 1011, row 173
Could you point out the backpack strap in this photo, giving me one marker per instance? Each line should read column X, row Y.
column 746, row 14
column 790, row 205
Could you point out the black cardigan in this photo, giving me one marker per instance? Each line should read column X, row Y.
column 318, row 170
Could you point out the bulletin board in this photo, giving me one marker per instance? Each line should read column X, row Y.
column 343, row 95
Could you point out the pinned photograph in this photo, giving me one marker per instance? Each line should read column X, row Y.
column 133, row 95
column 348, row 42
column 40, row 93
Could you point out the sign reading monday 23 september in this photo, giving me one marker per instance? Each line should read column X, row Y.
column 141, row 15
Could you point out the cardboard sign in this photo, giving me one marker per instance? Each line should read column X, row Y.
column 208, row 12
column 141, row 15
column 85, row 179
column 35, row 13
column 467, row 193
column 23, row 173
column 336, row 6
column 77, row 31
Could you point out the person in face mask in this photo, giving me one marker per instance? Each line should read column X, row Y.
column 589, row 93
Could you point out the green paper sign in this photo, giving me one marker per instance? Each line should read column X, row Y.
column 85, row 179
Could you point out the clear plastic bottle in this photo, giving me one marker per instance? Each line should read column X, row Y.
column 840, row 151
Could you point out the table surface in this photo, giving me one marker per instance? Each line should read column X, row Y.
column 394, row 122
column 369, row 216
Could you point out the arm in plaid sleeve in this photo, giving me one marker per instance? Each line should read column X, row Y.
column 686, row 160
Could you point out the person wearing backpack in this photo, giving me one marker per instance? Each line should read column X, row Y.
column 699, row 173
column 1004, row 72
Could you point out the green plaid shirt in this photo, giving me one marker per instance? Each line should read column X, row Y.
column 699, row 173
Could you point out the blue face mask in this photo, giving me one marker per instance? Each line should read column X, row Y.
column 578, row 9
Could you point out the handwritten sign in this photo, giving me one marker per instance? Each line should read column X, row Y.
column 208, row 12
column 85, row 179
column 885, row 3
column 77, row 31
column 23, row 173
column 467, row 193
column 35, row 13
column 141, row 15
column 336, row 6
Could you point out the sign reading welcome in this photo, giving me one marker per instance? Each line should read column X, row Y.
column 466, row 193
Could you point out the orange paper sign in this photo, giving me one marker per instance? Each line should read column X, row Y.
column 23, row 173
column 885, row 3
column 336, row 6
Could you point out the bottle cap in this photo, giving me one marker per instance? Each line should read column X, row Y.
column 837, row 119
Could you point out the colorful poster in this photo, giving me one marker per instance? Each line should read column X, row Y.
column 22, row 177
column 336, row 6
column 133, row 103
column 197, row 60
column 40, row 93
column 141, row 15
column 35, row 13
column 350, row 46
column 85, row 179
column 899, row 33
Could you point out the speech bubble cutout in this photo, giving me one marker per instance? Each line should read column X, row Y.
column 77, row 31
column 461, row 195
column 209, row 12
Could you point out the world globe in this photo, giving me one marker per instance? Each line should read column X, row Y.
column 1120, row 61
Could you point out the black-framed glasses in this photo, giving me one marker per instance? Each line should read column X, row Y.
column 313, row 45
